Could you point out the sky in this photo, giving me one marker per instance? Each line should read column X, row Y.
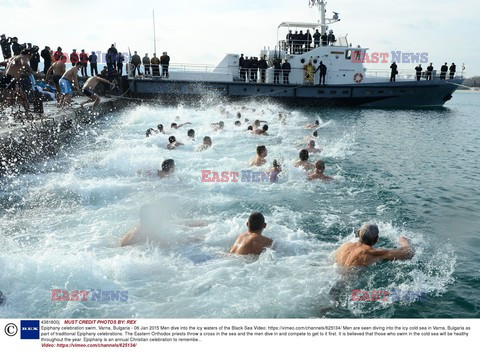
column 203, row 31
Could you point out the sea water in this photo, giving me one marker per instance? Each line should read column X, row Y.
column 413, row 172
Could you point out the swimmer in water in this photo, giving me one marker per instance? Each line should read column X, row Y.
column 318, row 170
column 361, row 253
column 262, row 131
column 256, row 124
column 160, row 129
column 275, row 171
column 207, row 143
column 191, row 134
column 176, row 126
column 259, row 160
column 150, row 224
column 217, row 126
column 303, row 160
column 168, row 168
column 149, row 132
column 313, row 125
column 238, row 123
column 311, row 147
column 252, row 241
column 173, row 143
column 250, row 129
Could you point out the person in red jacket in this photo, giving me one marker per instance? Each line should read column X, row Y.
column 84, row 61
column 74, row 58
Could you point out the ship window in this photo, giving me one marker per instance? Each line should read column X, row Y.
column 315, row 61
column 320, row 91
column 333, row 92
column 302, row 61
column 348, row 55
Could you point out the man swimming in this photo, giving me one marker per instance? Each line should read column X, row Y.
column 160, row 129
column 173, row 143
column 311, row 147
column 303, row 161
column 252, row 241
column 88, row 88
column 176, row 126
column 70, row 76
column 259, row 160
column 191, row 134
column 168, row 168
column 313, row 125
column 318, row 170
column 218, row 126
column 207, row 143
column 262, row 131
column 361, row 253
column 274, row 171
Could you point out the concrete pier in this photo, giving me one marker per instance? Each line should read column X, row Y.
column 23, row 141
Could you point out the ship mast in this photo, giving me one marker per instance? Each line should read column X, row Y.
column 324, row 22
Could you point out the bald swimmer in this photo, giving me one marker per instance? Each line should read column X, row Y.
column 361, row 253
column 252, row 241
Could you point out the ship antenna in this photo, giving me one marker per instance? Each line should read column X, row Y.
column 324, row 22
column 154, row 34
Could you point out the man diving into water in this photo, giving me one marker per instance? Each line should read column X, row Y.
column 361, row 253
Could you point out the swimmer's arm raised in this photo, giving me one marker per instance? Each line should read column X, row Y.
column 403, row 253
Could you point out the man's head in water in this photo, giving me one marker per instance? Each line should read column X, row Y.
column 249, row 128
column 172, row 139
column 256, row 222
column 191, row 133
column 239, row 114
column 238, row 123
column 368, row 234
column 262, row 151
column 320, row 165
column 277, row 166
column 265, row 128
column 303, row 155
column 168, row 166
column 317, row 122
column 256, row 123
column 174, row 125
column 315, row 133
column 160, row 128
column 207, row 141
column 221, row 124
column 311, row 143
column 149, row 132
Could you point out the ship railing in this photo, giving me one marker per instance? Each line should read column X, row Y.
column 301, row 47
column 409, row 74
column 182, row 68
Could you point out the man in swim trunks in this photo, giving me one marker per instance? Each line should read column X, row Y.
column 361, row 253
column 252, row 241
column 313, row 125
column 207, row 143
column 318, row 170
column 303, row 161
column 17, row 76
column 168, row 168
column 69, row 77
column 58, row 68
column 259, row 160
column 88, row 88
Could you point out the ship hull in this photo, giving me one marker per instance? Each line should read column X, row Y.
column 405, row 94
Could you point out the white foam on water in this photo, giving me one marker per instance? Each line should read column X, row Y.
column 66, row 231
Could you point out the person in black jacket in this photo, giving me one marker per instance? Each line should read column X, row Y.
column 443, row 71
column 35, row 59
column 120, row 60
column 262, row 64
column 254, row 70
column 308, row 40
column 419, row 70
column 394, row 72
column 17, row 48
column 113, row 57
column 241, row 64
column 6, row 46
column 136, row 62
column 289, row 40
column 93, row 63
column 453, row 68
column 429, row 72
column 165, row 62
column 324, row 39
column 47, row 59
column 277, row 66
column 316, row 39
column 286, row 69
column 247, row 64
column 323, row 72
column 331, row 37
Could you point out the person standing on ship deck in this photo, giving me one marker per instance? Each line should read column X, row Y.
column 277, row 66
column 136, row 62
column 47, row 59
column 93, row 63
column 419, row 70
column 254, row 70
column 165, row 62
column 286, row 68
column 146, row 64
column 428, row 75
column 120, row 61
column 155, row 64
column 443, row 71
column 262, row 64
column 331, row 37
column 394, row 72
column 247, row 63
column 316, row 39
column 324, row 39
column 453, row 68
column 241, row 63
column 84, row 61
column 289, row 40
column 308, row 40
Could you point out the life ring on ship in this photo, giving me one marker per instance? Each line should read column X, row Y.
column 358, row 77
